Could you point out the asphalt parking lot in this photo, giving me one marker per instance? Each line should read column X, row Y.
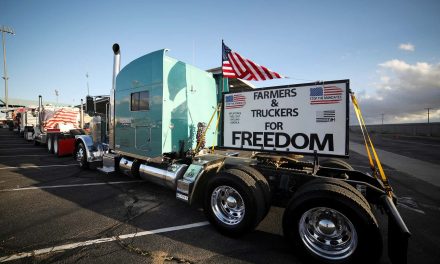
column 51, row 211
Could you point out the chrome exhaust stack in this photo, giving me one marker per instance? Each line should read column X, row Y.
column 81, row 115
column 111, row 118
column 40, row 110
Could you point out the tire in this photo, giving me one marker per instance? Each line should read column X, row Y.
column 36, row 143
column 233, row 204
column 311, row 221
column 336, row 163
column 341, row 184
column 26, row 135
column 81, row 156
column 50, row 143
column 261, row 183
column 55, row 145
column 75, row 132
column 117, row 160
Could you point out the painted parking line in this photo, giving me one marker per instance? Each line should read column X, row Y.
column 36, row 166
column 6, row 146
column 16, row 141
column 98, row 241
column 17, row 144
column 16, row 156
column 9, row 149
column 69, row 186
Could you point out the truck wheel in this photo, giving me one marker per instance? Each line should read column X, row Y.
column 261, row 183
column 336, row 163
column 50, row 143
column 341, row 184
column 26, row 134
column 329, row 224
column 81, row 156
column 74, row 132
column 55, row 145
column 233, row 203
column 117, row 160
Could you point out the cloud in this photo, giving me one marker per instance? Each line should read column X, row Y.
column 407, row 47
column 403, row 92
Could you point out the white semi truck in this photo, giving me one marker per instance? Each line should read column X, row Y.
column 28, row 120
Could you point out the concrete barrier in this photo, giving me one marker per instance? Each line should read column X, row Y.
column 416, row 129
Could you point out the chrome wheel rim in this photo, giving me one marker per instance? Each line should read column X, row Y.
column 80, row 155
column 328, row 233
column 227, row 205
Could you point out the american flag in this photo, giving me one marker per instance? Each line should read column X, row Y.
column 236, row 66
column 63, row 115
column 233, row 101
column 325, row 116
column 325, row 95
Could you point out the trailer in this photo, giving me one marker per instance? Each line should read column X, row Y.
column 57, row 128
column 178, row 126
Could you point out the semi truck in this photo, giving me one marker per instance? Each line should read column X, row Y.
column 235, row 154
column 57, row 128
column 27, row 120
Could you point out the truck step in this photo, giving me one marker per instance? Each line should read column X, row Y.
column 106, row 170
column 108, row 163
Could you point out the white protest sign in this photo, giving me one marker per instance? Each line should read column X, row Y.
column 300, row 118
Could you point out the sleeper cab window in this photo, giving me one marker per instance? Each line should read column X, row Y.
column 140, row 101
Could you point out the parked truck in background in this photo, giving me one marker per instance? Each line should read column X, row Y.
column 57, row 128
column 27, row 121
column 164, row 127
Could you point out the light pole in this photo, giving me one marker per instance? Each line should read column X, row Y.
column 428, row 108
column 56, row 93
column 5, row 29
column 381, row 127
column 429, row 127
column 87, row 76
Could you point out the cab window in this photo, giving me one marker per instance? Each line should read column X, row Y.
column 140, row 101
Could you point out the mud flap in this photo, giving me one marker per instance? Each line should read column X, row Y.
column 398, row 233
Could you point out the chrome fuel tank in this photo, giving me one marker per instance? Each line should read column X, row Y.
column 167, row 178
column 125, row 166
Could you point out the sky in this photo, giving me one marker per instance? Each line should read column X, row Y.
column 390, row 50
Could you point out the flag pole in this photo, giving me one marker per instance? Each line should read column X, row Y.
column 221, row 67
column 220, row 134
